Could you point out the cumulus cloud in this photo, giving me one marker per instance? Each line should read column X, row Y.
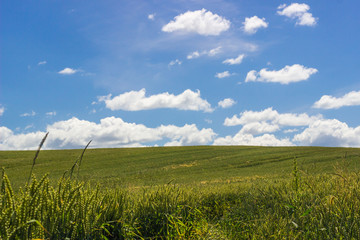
column 223, row 74
column 109, row 132
column 232, row 61
column 202, row 22
column 314, row 131
column 299, row 12
column 248, row 139
column 253, row 24
column 136, row 101
column 329, row 132
column 271, row 116
column 68, row 71
column 28, row 114
column 330, row 102
column 286, row 75
column 255, row 128
column 226, row 103
column 210, row 53
column 176, row 61
column 265, row 122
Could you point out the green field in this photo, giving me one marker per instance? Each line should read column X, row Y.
column 203, row 192
column 182, row 165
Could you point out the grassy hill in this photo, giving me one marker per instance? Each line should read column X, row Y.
column 215, row 193
column 137, row 167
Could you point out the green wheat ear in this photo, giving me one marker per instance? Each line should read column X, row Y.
column 79, row 160
column 36, row 155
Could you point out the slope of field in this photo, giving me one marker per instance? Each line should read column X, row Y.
column 215, row 193
column 134, row 167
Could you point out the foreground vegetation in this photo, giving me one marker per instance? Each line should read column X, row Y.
column 311, row 207
column 197, row 193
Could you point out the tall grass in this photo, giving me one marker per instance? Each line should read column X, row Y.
column 323, row 207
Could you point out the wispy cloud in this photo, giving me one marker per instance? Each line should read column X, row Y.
column 29, row 126
column 202, row 22
column 223, row 74
column 42, row 63
column 176, row 61
column 192, row 55
column 210, row 53
column 53, row 113
column 2, row 110
column 28, row 114
column 233, row 61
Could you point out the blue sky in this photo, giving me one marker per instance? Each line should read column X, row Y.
column 164, row 73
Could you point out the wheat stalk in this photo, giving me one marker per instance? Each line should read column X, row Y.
column 36, row 155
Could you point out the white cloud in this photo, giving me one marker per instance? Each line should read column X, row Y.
column 210, row 53
column 330, row 102
column 202, row 22
column 255, row 128
column 2, row 110
column 29, row 126
column 251, row 25
column 226, row 103
column 11, row 141
column 136, row 101
column 53, row 113
column 286, row 75
column 291, row 130
column 192, row 55
column 329, row 132
column 151, row 16
column 110, row 132
column 209, row 121
column 248, row 139
column 223, row 74
column 214, row 51
column 68, row 71
column 42, row 63
column 28, row 114
column 273, row 117
column 299, row 12
column 176, row 61
column 233, row 61
column 317, row 131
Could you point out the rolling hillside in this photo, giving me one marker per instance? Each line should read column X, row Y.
column 182, row 165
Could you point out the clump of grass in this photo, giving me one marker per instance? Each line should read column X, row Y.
column 271, row 210
column 69, row 210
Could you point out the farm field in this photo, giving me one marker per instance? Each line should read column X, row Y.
column 137, row 167
column 202, row 192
